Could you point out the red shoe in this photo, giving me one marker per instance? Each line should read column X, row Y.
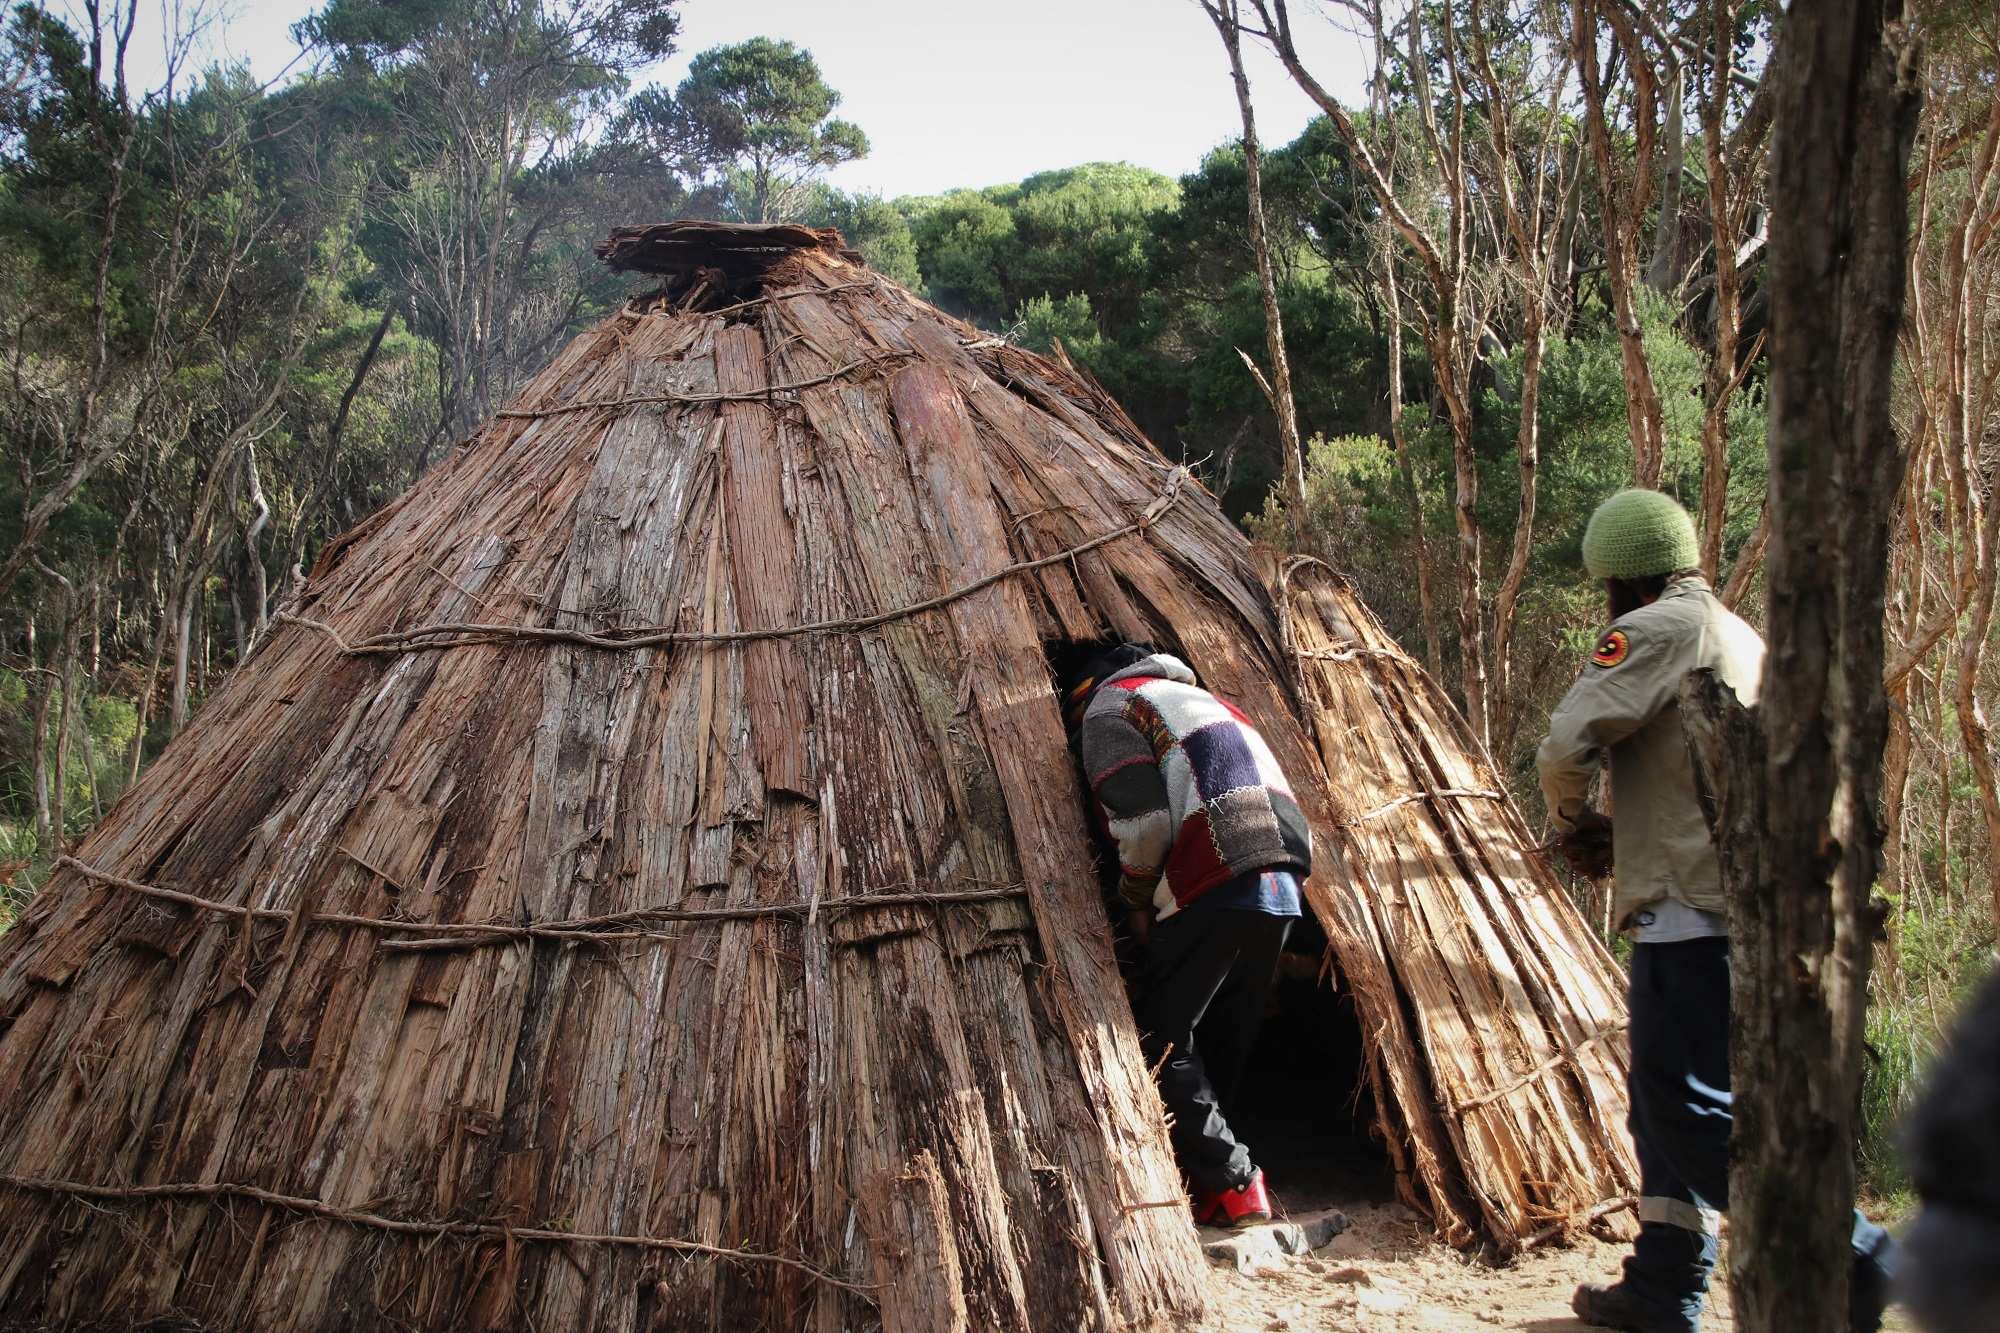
column 1245, row 1205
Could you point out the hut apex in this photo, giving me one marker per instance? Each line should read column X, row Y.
column 642, row 882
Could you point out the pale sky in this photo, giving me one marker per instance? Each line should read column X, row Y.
column 974, row 92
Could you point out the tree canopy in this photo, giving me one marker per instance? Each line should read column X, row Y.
column 755, row 120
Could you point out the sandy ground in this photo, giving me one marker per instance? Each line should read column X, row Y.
column 1386, row 1273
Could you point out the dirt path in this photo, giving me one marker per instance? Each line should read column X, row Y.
column 1386, row 1273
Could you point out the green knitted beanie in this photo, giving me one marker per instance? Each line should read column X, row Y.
column 1637, row 534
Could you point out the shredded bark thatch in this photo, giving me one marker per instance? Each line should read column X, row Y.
column 642, row 883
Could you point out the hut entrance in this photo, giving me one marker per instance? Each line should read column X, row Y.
column 1305, row 1107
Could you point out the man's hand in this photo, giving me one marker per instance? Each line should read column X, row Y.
column 1587, row 846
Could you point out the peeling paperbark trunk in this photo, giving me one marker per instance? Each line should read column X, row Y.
column 1972, row 724
column 39, row 766
column 1527, row 446
column 1392, row 313
column 1729, row 192
column 1895, row 791
column 1392, row 303
column 1662, row 273
column 1963, row 395
column 1228, row 24
column 1450, row 343
column 183, row 635
column 259, row 590
column 1952, row 400
column 1748, row 561
column 65, row 664
column 1525, row 233
column 1465, row 505
column 1798, row 780
column 1623, row 209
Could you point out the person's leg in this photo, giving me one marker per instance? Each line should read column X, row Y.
column 1674, row 1049
column 1229, row 1030
column 1679, row 1089
column 1668, row 1268
column 1699, row 1117
column 1688, row 1106
column 1187, row 961
column 1873, row 1276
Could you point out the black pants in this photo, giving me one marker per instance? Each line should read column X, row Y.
column 1681, row 1117
column 1212, row 969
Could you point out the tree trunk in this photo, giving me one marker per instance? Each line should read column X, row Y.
column 1721, row 378
column 65, row 664
column 259, row 589
column 319, row 492
column 1530, row 242
column 183, row 628
column 39, row 766
column 1798, row 780
column 1663, row 273
column 1895, row 789
column 1748, row 560
column 1623, row 212
column 1527, row 448
column 1972, row 725
column 1465, row 512
column 1392, row 302
column 137, row 753
column 96, row 629
column 1224, row 14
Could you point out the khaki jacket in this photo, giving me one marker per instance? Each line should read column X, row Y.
column 1627, row 703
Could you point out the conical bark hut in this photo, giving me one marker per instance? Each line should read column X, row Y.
column 642, row 884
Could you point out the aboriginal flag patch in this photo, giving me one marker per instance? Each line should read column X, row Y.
column 1611, row 649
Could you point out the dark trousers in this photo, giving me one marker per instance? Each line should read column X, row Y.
column 1680, row 1124
column 1208, row 968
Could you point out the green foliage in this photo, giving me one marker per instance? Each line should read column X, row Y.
column 16, row 747
column 1352, row 506
column 1357, row 518
column 22, row 868
column 1943, row 948
column 1318, row 210
column 756, row 119
column 872, row 225
column 961, row 238
column 113, row 721
column 1041, row 322
column 985, row 253
column 585, row 40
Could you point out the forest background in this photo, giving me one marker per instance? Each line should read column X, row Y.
column 237, row 317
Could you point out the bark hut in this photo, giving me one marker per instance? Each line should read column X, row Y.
column 641, row 882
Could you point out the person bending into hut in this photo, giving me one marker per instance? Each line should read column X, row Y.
column 1211, row 848
column 1669, row 900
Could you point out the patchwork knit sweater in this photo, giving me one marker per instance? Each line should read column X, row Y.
column 1187, row 788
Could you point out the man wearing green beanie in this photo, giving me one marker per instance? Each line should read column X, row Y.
column 1624, row 709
